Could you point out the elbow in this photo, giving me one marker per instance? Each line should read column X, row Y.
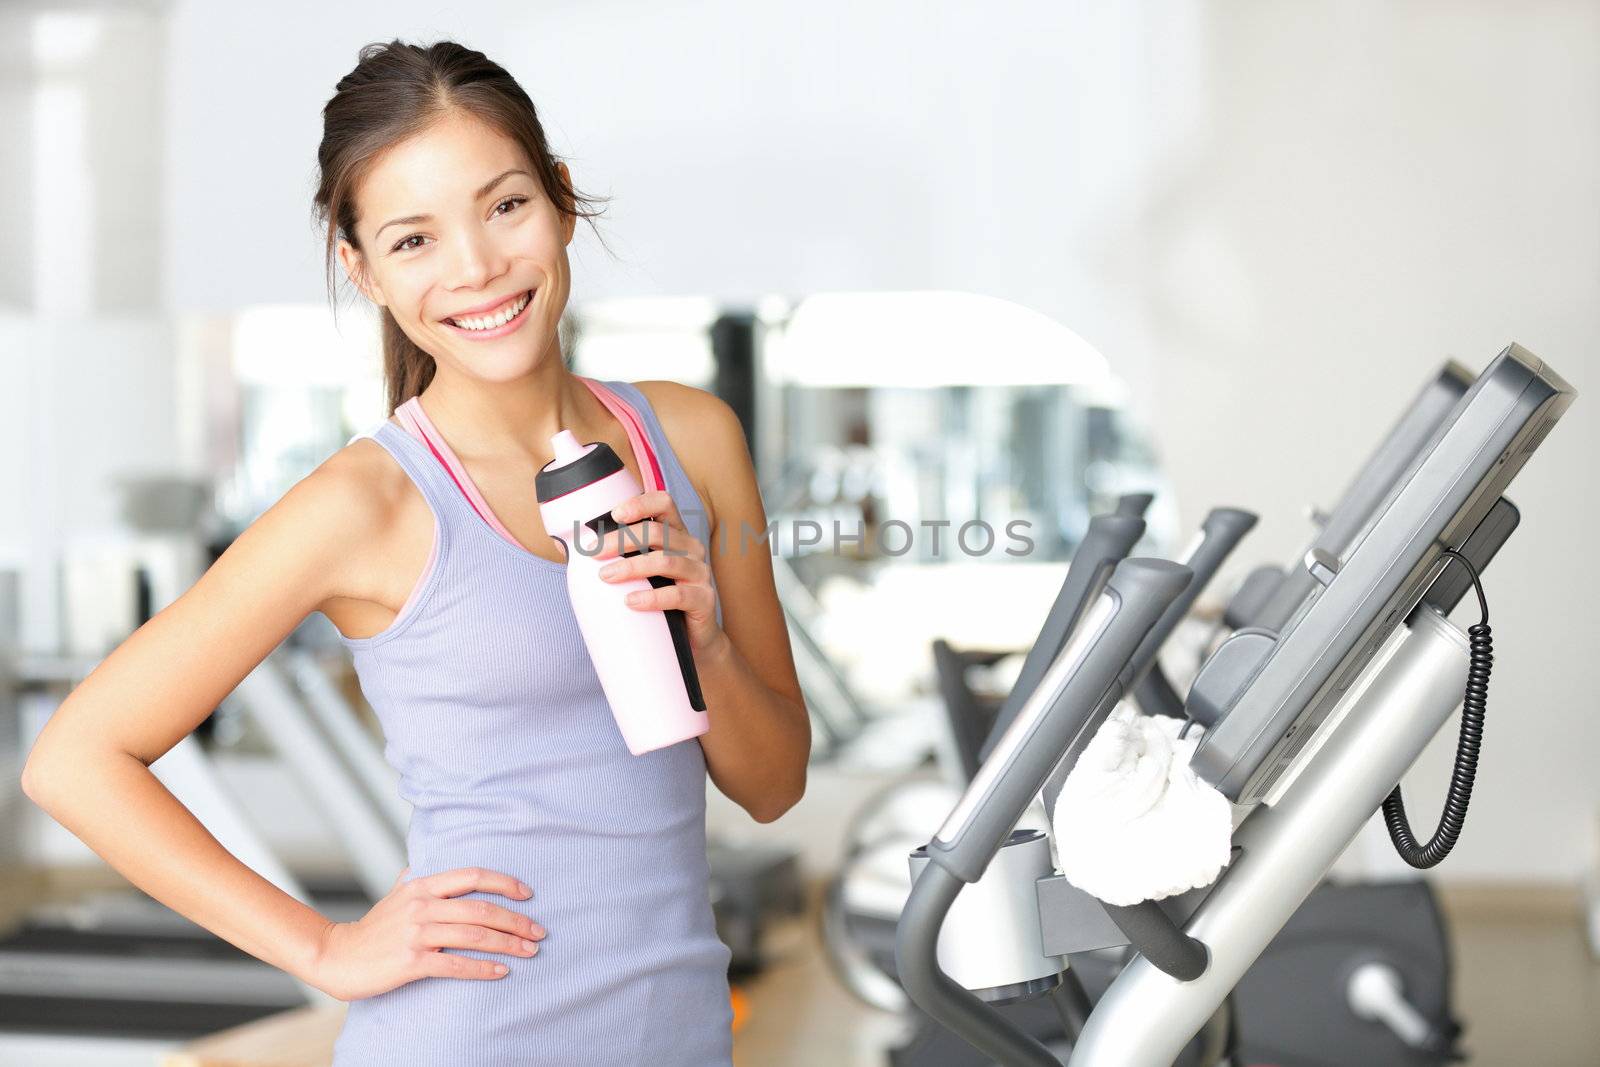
column 53, row 771
column 788, row 787
column 769, row 814
column 35, row 779
column 777, row 805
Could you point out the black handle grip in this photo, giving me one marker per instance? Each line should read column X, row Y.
column 1158, row 939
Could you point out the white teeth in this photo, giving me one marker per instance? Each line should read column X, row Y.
column 505, row 315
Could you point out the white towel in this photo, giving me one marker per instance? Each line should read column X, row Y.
column 1133, row 822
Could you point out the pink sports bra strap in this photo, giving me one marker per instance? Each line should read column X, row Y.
column 649, row 465
column 419, row 426
column 417, row 423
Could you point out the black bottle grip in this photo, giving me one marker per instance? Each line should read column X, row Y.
column 677, row 621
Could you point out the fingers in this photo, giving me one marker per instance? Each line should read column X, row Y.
column 680, row 567
column 461, row 935
column 482, row 913
column 645, row 538
column 669, row 597
column 440, row 918
column 672, row 538
column 450, row 965
column 656, row 502
column 460, row 880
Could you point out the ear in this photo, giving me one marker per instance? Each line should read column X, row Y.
column 355, row 268
column 569, row 223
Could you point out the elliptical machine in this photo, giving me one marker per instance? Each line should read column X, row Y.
column 1369, row 648
column 1339, row 927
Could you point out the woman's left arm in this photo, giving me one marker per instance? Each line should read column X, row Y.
column 760, row 736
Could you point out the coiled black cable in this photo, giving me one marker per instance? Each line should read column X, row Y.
column 1473, row 705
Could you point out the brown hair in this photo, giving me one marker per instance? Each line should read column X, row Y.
column 395, row 91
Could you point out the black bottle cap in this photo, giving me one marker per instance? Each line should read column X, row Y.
column 599, row 462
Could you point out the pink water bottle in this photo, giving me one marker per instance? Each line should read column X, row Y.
column 643, row 658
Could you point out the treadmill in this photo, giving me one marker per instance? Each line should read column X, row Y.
column 1369, row 641
column 117, row 963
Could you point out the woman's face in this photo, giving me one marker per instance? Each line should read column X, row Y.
column 457, row 233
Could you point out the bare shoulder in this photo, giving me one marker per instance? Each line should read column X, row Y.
column 706, row 435
column 684, row 403
column 361, row 477
column 353, row 503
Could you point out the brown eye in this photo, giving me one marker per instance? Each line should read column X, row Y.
column 405, row 245
column 512, row 200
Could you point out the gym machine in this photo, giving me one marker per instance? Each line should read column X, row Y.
column 1369, row 652
column 862, row 902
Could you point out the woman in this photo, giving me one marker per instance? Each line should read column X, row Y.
column 556, row 907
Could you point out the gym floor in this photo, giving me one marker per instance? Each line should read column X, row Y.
column 1526, row 988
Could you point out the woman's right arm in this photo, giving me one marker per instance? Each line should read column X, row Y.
column 90, row 767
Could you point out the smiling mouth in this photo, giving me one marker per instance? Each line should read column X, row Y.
column 499, row 317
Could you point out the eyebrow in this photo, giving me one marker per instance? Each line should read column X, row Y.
column 479, row 195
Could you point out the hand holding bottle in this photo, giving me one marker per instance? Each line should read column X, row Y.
column 651, row 521
column 641, row 648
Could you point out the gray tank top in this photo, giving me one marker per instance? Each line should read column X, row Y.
column 507, row 751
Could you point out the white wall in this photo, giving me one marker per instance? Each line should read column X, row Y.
column 94, row 402
column 1275, row 220
column 1374, row 191
column 85, row 350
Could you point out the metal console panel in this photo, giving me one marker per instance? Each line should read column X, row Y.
column 1330, row 641
column 1385, row 469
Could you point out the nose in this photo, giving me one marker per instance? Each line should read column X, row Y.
column 477, row 261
